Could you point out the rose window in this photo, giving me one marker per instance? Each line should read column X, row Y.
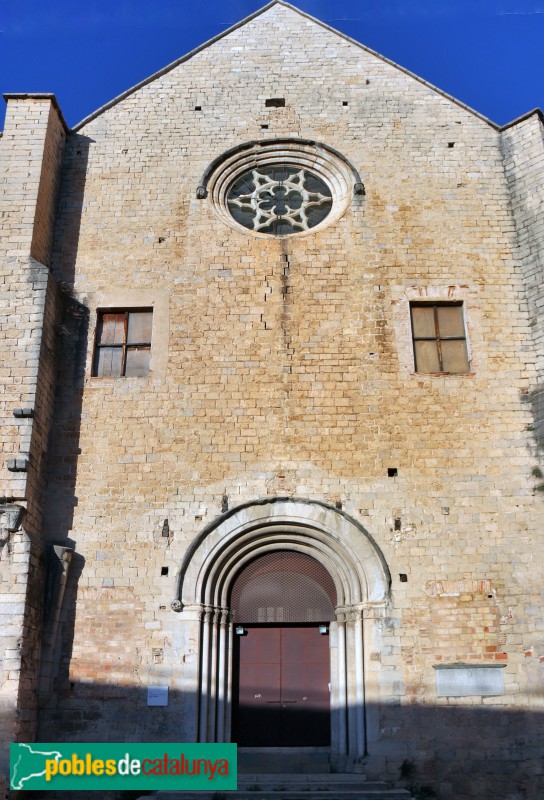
column 279, row 200
column 281, row 187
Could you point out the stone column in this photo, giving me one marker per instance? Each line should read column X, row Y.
column 355, row 683
column 213, row 687
column 206, row 622
column 342, row 684
column 222, row 674
column 190, row 622
column 373, row 616
column 228, row 700
column 359, row 683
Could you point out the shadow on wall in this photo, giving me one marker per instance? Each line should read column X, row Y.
column 59, row 612
column 536, row 400
column 529, row 223
column 451, row 753
column 63, row 454
column 454, row 752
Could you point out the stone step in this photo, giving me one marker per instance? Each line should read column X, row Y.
column 309, row 794
column 303, row 783
column 264, row 761
column 328, row 787
column 332, row 794
column 296, row 787
column 283, row 760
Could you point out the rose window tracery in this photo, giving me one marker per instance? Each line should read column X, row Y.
column 279, row 200
column 281, row 187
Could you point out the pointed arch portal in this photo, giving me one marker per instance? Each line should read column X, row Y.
column 361, row 581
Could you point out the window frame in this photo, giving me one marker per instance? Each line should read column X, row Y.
column 438, row 338
column 124, row 345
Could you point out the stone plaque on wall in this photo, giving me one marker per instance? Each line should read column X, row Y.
column 469, row 681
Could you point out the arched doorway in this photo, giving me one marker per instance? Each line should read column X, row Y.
column 282, row 604
column 362, row 583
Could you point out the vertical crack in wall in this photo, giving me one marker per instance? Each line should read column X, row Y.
column 286, row 338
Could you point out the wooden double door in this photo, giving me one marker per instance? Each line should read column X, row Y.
column 281, row 687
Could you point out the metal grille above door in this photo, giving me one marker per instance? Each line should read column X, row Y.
column 283, row 586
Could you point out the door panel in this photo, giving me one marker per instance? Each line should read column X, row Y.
column 305, row 676
column 281, row 687
column 258, row 718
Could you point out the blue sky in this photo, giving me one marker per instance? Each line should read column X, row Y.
column 487, row 53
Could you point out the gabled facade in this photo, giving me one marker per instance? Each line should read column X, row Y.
column 273, row 318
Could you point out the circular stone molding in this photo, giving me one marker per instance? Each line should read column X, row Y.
column 280, row 187
column 341, row 544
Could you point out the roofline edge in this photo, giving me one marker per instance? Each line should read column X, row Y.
column 538, row 111
column 39, row 96
column 252, row 16
column 173, row 65
column 392, row 63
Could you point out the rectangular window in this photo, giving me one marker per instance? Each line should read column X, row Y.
column 123, row 344
column 440, row 342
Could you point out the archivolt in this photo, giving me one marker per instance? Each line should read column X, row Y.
column 339, row 542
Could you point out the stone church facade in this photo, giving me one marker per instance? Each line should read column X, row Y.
column 273, row 318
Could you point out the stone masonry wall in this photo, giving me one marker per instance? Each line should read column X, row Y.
column 523, row 147
column 28, row 189
column 30, row 157
column 285, row 367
